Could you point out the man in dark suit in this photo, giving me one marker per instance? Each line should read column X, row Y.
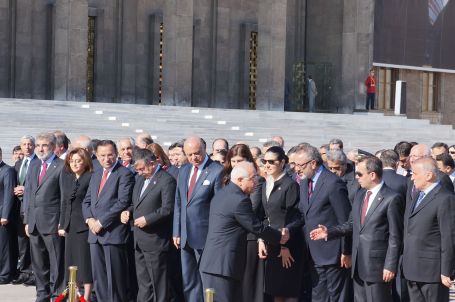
column 428, row 253
column 22, row 167
column 152, row 206
column 337, row 163
column 8, row 251
column 446, row 165
column 231, row 218
column 376, row 225
column 324, row 200
column 125, row 147
column 42, row 198
column 108, row 195
column 197, row 184
column 396, row 182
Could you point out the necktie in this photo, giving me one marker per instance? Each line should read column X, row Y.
column 419, row 200
column 23, row 172
column 103, row 181
column 414, row 192
column 365, row 207
column 192, row 182
column 43, row 172
column 310, row 188
column 144, row 187
column 125, row 164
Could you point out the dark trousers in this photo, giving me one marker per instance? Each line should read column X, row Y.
column 47, row 264
column 372, row 292
column 109, row 272
column 253, row 279
column 151, row 270
column 370, row 101
column 132, row 281
column 192, row 283
column 8, row 252
column 328, row 283
column 24, row 264
column 427, row 292
column 174, row 270
column 226, row 289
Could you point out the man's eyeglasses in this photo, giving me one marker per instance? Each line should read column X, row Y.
column 301, row 165
column 269, row 161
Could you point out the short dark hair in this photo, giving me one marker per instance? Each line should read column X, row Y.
column 389, row 158
column 144, row 155
column 336, row 141
column 446, row 160
column 146, row 140
column 279, row 152
column 221, row 139
column 16, row 148
column 178, row 144
column 311, row 152
column 373, row 164
column 439, row 145
column 403, row 148
column 61, row 139
column 106, row 142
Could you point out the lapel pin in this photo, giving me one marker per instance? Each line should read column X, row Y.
column 154, row 182
column 279, row 188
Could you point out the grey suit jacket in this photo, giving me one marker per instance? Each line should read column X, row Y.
column 42, row 202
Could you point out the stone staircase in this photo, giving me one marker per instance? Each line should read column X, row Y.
column 368, row 131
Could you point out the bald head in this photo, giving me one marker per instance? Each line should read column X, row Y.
column 419, row 151
column 194, row 149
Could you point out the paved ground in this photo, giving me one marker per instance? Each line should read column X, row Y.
column 17, row 293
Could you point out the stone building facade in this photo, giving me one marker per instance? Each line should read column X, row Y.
column 248, row 54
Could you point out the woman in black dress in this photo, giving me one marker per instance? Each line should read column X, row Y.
column 74, row 183
column 253, row 278
column 280, row 198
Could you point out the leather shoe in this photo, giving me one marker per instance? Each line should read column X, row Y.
column 30, row 281
column 2, row 282
column 20, row 279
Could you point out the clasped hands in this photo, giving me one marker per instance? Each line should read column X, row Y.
column 138, row 222
column 94, row 225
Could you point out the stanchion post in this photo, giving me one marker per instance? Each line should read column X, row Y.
column 209, row 295
column 72, row 284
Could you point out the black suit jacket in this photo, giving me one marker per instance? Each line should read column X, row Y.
column 428, row 249
column 398, row 183
column 351, row 184
column 73, row 194
column 107, row 207
column 377, row 243
column 42, row 202
column 443, row 178
column 17, row 167
column 231, row 217
column 329, row 205
column 156, row 204
column 7, row 184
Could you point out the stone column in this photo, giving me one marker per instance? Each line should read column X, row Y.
column 271, row 54
column 70, row 50
column 357, row 52
column 6, row 23
column 178, row 52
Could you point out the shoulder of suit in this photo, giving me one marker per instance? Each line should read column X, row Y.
column 215, row 166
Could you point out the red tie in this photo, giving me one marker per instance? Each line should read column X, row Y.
column 310, row 188
column 103, row 181
column 125, row 164
column 43, row 172
column 365, row 207
column 192, row 182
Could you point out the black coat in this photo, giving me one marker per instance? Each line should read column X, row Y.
column 398, row 183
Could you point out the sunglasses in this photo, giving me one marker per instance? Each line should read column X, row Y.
column 452, row 152
column 269, row 161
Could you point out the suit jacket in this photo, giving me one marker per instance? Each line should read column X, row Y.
column 329, row 205
column 156, row 204
column 231, row 218
column 7, row 184
column 174, row 171
column 377, row 243
column 107, row 207
column 42, row 202
column 443, row 178
column 191, row 216
column 398, row 183
column 351, row 184
column 17, row 167
column 73, row 194
column 428, row 236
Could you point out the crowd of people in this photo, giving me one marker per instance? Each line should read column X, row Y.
column 142, row 223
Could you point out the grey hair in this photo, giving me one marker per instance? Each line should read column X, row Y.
column 124, row 139
column 389, row 158
column 144, row 155
column 271, row 144
column 50, row 137
column 336, row 141
column 428, row 164
column 337, row 155
column 28, row 137
column 312, row 153
column 239, row 171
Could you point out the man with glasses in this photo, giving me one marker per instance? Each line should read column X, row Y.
column 439, row 148
column 324, row 200
column 231, row 219
column 337, row 163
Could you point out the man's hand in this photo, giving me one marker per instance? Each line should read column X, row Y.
column 346, row 261
column 26, row 230
column 284, row 235
column 140, row 222
column 262, row 250
column 387, row 275
column 125, row 217
column 61, row 233
column 286, row 257
column 94, row 225
column 176, row 242
column 3, row 221
column 319, row 233
column 19, row 190
column 446, row 281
